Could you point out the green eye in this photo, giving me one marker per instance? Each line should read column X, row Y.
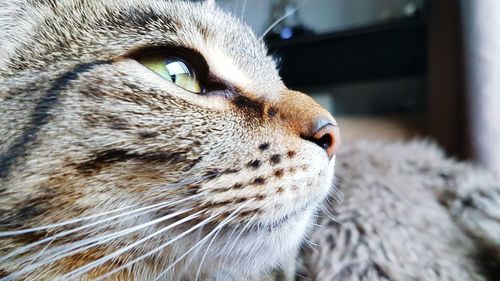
column 174, row 70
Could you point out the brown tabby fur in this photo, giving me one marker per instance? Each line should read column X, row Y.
column 86, row 129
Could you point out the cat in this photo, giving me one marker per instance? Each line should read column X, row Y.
column 150, row 140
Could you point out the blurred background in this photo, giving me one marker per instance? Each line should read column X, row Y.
column 392, row 69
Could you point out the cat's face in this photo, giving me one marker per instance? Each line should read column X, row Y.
column 95, row 126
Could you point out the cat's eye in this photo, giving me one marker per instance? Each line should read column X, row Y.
column 174, row 70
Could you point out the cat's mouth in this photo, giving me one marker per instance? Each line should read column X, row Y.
column 281, row 221
column 293, row 216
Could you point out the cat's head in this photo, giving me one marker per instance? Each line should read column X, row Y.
column 163, row 121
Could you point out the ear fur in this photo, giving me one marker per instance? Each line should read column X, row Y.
column 17, row 20
column 9, row 12
column 12, row 25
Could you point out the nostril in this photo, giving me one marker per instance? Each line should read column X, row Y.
column 327, row 137
column 324, row 142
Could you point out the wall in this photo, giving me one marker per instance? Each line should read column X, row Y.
column 323, row 15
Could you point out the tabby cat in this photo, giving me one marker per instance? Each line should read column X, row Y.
column 150, row 140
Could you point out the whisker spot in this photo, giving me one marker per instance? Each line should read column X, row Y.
column 264, row 146
column 237, row 186
column 275, row 159
column 148, row 135
column 254, row 164
column 241, row 200
column 259, row 181
column 279, row 173
column 260, row 197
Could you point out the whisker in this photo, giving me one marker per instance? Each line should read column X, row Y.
column 311, row 243
column 137, row 212
column 272, row 215
column 40, row 253
column 84, row 269
column 280, row 19
column 236, row 242
column 55, row 225
column 336, row 194
column 243, row 9
column 187, row 182
column 210, row 244
column 73, row 221
column 226, row 245
column 217, row 228
column 328, row 202
column 157, row 249
column 205, row 254
column 68, row 249
column 233, row 245
column 105, row 238
column 329, row 215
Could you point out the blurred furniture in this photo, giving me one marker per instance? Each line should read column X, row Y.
column 377, row 52
column 445, row 98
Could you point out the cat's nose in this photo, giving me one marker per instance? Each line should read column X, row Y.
column 327, row 136
column 310, row 121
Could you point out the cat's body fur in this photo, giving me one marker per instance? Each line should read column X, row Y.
column 409, row 213
column 85, row 129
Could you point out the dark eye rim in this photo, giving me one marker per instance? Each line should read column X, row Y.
column 191, row 58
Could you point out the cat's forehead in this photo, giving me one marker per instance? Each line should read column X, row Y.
column 233, row 53
column 231, row 49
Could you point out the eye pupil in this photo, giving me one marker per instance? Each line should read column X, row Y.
column 174, row 70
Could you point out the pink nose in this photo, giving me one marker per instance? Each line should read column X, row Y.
column 310, row 120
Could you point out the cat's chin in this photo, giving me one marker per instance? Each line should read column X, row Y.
column 264, row 248
column 279, row 240
column 285, row 220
